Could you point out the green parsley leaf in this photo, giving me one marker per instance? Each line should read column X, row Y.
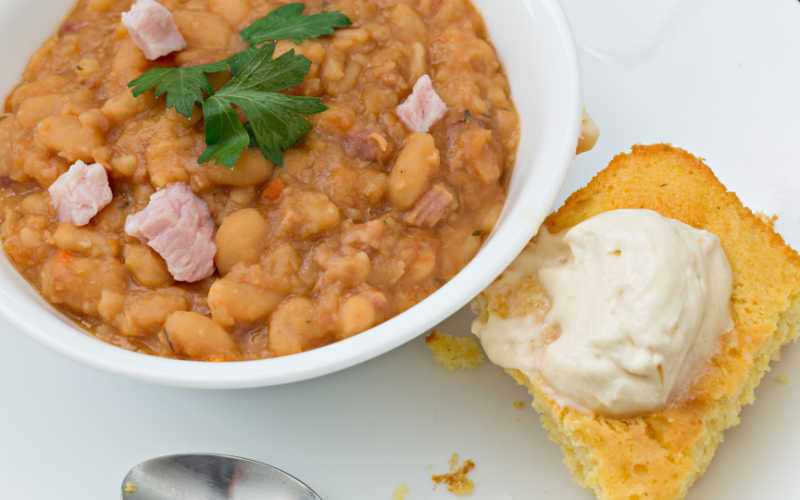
column 467, row 116
column 226, row 137
column 477, row 233
column 286, row 22
column 184, row 86
column 262, row 73
column 277, row 121
column 253, row 141
column 275, row 118
column 486, row 115
column 238, row 61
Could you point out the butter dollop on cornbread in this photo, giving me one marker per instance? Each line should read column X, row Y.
column 658, row 455
column 636, row 304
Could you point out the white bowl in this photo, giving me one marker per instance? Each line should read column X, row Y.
column 536, row 46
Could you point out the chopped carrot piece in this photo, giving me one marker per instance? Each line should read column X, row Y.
column 62, row 258
column 273, row 190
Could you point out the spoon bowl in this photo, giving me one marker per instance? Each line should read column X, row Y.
column 211, row 477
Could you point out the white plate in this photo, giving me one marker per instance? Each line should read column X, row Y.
column 718, row 77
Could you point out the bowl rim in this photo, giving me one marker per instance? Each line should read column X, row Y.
column 108, row 358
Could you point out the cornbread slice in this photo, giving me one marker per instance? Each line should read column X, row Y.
column 659, row 455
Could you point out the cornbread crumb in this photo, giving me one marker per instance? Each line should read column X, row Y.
column 766, row 219
column 457, row 480
column 518, row 405
column 454, row 352
column 589, row 134
column 400, row 492
column 131, row 488
column 783, row 378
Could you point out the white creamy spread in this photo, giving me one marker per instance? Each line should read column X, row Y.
column 635, row 304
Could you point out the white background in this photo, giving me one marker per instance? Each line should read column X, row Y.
column 720, row 78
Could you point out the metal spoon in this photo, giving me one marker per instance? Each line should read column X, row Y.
column 211, row 477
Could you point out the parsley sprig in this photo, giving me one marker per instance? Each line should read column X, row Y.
column 275, row 120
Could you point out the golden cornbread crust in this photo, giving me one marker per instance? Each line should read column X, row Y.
column 658, row 456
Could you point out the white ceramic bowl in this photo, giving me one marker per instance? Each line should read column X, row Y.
column 536, row 46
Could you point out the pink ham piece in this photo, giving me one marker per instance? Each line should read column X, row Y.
column 431, row 208
column 153, row 29
column 177, row 225
column 423, row 107
column 80, row 193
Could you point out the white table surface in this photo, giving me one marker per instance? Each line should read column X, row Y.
column 720, row 78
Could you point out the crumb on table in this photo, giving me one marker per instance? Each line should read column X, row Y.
column 454, row 352
column 456, row 480
column 518, row 405
column 783, row 378
column 400, row 492
column 130, row 487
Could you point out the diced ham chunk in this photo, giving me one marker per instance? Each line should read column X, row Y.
column 153, row 29
column 80, row 193
column 178, row 226
column 368, row 143
column 423, row 107
column 431, row 207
